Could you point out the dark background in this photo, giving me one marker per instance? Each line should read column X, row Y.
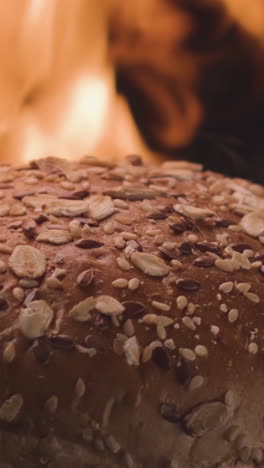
column 229, row 84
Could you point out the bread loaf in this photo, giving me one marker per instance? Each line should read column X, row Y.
column 131, row 316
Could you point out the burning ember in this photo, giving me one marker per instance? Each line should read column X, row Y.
column 159, row 77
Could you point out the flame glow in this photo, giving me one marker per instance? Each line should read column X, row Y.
column 80, row 121
column 248, row 14
column 57, row 81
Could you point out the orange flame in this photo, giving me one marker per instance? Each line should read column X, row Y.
column 57, row 81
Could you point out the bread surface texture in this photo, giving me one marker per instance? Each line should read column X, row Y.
column 131, row 316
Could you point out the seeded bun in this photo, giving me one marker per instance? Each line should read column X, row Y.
column 131, row 310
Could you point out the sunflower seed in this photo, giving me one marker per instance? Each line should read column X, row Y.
column 108, row 305
column 35, row 319
column 188, row 284
column 100, row 207
column 89, row 244
column 81, row 312
column 150, row 264
column 205, row 417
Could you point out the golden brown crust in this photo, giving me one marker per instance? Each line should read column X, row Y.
column 131, row 296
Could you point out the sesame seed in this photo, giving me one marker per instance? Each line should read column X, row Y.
column 226, row 287
column 120, row 204
column 51, row 404
column 234, row 228
column 129, row 329
column 181, row 302
column 214, row 329
column 153, row 232
column 133, row 284
column 201, row 351
column 256, row 264
column 18, row 294
column 109, row 228
column 233, row 315
column 75, row 229
column 120, row 283
column 169, row 245
column 252, row 297
column 253, row 348
column 192, row 238
column 123, row 264
column 187, row 354
column 161, row 332
column 187, row 321
column 127, row 221
column 197, row 321
column 67, row 185
column 146, row 206
column 196, row 383
column 129, row 235
column 230, row 398
column 223, row 308
column 86, row 230
column 161, row 306
column 80, row 388
column 28, row 283
column 176, row 264
column 147, row 353
column 191, row 308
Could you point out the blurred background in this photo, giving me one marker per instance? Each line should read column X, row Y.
column 164, row 78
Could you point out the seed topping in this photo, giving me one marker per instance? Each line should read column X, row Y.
column 27, row 262
column 149, row 264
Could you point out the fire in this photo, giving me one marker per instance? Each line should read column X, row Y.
column 250, row 16
column 57, row 84
column 59, row 61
